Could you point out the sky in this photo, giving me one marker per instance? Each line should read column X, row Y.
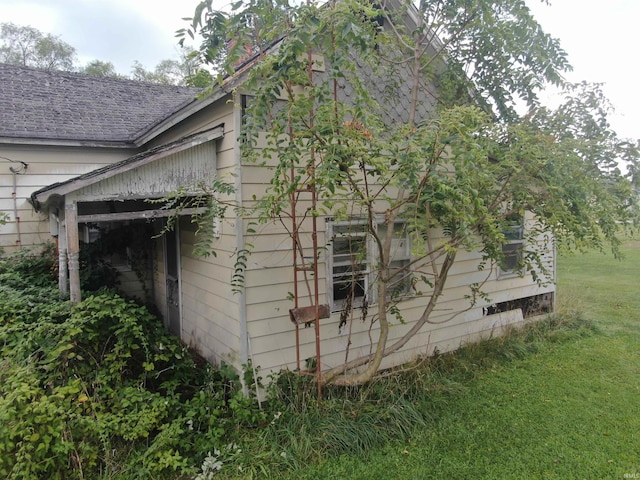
column 119, row 31
column 600, row 37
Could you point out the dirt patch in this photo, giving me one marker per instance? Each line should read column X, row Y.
column 632, row 244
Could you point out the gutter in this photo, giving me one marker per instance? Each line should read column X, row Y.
column 46, row 142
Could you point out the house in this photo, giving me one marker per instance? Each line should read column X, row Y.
column 81, row 151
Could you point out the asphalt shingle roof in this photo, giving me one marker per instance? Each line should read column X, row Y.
column 52, row 105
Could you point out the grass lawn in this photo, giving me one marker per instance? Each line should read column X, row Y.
column 571, row 410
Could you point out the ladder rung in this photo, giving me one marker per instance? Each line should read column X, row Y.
column 308, row 314
column 304, row 269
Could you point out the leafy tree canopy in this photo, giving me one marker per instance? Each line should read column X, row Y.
column 99, row 68
column 185, row 71
column 457, row 159
column 30, row 47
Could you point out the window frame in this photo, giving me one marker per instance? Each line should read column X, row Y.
column 400, row 256
column 337, row 305
column 512, row 248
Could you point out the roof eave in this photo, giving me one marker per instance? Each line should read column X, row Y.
column 177, row 117
column 63, row 142
column 216, row 93
column 41, row 196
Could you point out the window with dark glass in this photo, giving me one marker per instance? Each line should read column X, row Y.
column 514, row 245
column 352, row 253
column 350, row 264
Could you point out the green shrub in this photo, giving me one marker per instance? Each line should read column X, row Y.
column 27, row 268
column 101, row 389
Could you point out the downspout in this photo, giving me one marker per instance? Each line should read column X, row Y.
column 14, row 194
column 242, row 300
column 20, row 170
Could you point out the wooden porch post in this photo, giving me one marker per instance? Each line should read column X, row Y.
column 73, row 249
column 63, row 268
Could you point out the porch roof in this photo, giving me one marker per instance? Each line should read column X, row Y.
column 42, row 196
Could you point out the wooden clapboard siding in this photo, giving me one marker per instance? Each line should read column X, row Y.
column 60, row 156
column 30, row 224
column 129, row 283
column 213, row 115
column 279, row 346
column 210, row 309
column 270, row 280
column 210, row 315
column 46, row 165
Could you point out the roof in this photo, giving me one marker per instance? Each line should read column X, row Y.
column 64, row 106
column 136, row 161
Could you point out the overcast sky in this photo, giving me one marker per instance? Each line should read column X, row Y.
column 119, row 31
column 601, row 37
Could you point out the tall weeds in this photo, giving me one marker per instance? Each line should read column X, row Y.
column 101, row 390
column 392, row 407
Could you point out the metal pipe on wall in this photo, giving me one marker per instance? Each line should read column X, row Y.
column 15, row 171
column 14, row 194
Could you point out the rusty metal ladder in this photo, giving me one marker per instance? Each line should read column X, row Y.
column 305, row 263
column 313, row 312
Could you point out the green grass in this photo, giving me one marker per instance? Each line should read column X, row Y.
column 566, row 407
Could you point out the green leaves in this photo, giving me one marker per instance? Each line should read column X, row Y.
column 208, row 197
column 496, row 52
column 30, row 47
column 103, row 387
column 408, row 114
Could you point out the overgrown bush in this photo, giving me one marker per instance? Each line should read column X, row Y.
column 100, row 389
column 29, row 268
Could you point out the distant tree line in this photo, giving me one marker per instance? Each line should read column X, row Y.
column 29, row 47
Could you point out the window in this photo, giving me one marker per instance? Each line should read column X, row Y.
column 350, row 260
column 352, row 252
column 513, row 247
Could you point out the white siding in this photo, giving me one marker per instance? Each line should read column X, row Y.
column 269, row 283
column 210, row 309
column 46, row 165
column 157, row 178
